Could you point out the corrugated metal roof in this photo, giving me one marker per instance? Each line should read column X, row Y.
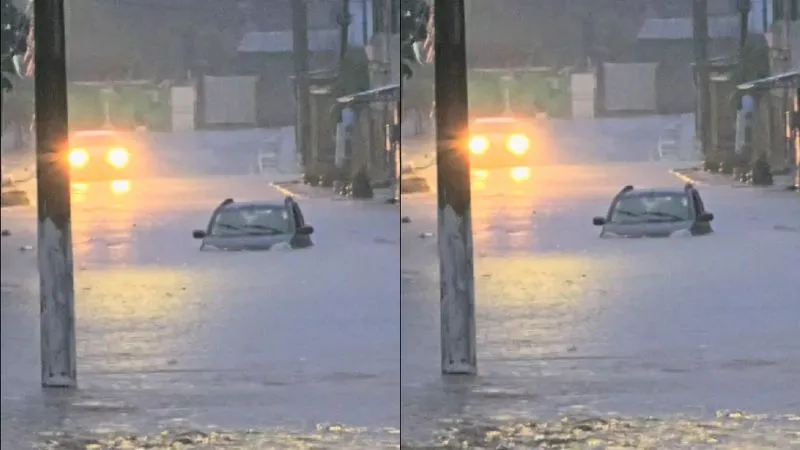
column 384, row 94
column 788, row 80
column 682, row 28
column 281, row 41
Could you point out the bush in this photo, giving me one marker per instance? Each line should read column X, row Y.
column 761, row 174
column 713, row 161
column 362, row 185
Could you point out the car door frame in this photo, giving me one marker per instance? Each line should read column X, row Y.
column 698, row 207
column 213, row 219
column 298, row 221
column 289, row 204
column 615, row 200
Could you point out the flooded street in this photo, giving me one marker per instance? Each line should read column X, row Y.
column 699, row 334
column 280, row 343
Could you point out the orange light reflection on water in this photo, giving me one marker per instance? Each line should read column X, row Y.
column 103, row 222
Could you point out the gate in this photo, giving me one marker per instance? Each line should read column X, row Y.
column 229, row 101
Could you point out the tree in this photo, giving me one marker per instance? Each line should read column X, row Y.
column 414, row 18
column 15, row 27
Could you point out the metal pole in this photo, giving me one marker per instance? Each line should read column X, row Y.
column 387, row 59
column 57, row 294
column 457, row 281
column 364, row 22
column 388, row 73
column 796, row 138
column 300, row 53
column 700, row 22
column 344, row 19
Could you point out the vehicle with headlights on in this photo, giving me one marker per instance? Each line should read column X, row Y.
column 637, row 213
column 499, row 142
column 100, row 154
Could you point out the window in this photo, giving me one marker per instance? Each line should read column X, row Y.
column 650, row 208
column 250, row 221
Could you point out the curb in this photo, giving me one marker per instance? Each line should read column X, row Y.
column 287, row 192
column 730, row 183
column 686, row 178
column 333, row 197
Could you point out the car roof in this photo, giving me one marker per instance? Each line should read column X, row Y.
column 654, row 191
column 253, row 204
column 499, row 120
column 95, row 133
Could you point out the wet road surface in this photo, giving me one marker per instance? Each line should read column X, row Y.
column 282, row 343
column 611, row 331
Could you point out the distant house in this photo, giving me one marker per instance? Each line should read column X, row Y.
column 668, row 42
column 268, row 55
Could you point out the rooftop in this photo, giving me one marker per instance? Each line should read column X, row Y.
column 282, row 42
column 680, row 28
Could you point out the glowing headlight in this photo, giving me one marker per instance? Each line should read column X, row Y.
column 78, row 157
column 478, row 145
column 118, row 157
column 518, row 144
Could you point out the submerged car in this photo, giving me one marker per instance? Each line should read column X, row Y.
column 636, row 213
column 499, row 142
column 99, row 154
column 255, row 226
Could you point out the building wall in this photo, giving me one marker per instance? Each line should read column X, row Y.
column 784, row 42
column 683, row 8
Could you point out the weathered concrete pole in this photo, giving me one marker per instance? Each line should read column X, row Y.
column 56, row 284
column 455, row 217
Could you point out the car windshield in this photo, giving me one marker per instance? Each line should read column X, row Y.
column 95, row 140
column 496, row 127
column 256, row 220
column 657, row 207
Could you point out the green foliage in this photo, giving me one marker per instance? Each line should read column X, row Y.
column 414, row 15
column 761, row 174
column 13, row 42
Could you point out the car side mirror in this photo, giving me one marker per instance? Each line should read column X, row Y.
column 705, row 217
column 598, row 221
column 198, row 234
column 305, row 230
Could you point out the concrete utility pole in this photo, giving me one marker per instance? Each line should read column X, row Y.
column 700, row 22
column 300, row 53
column 390, row 114
column 56, row 284
column 457, row 280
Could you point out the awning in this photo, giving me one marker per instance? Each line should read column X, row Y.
column 385, row 94
column 788, row 80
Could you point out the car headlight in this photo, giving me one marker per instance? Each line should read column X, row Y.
column 518, row 144
column 478, row 145
column 118, row 157
column 681, row 233
column 78, row 157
